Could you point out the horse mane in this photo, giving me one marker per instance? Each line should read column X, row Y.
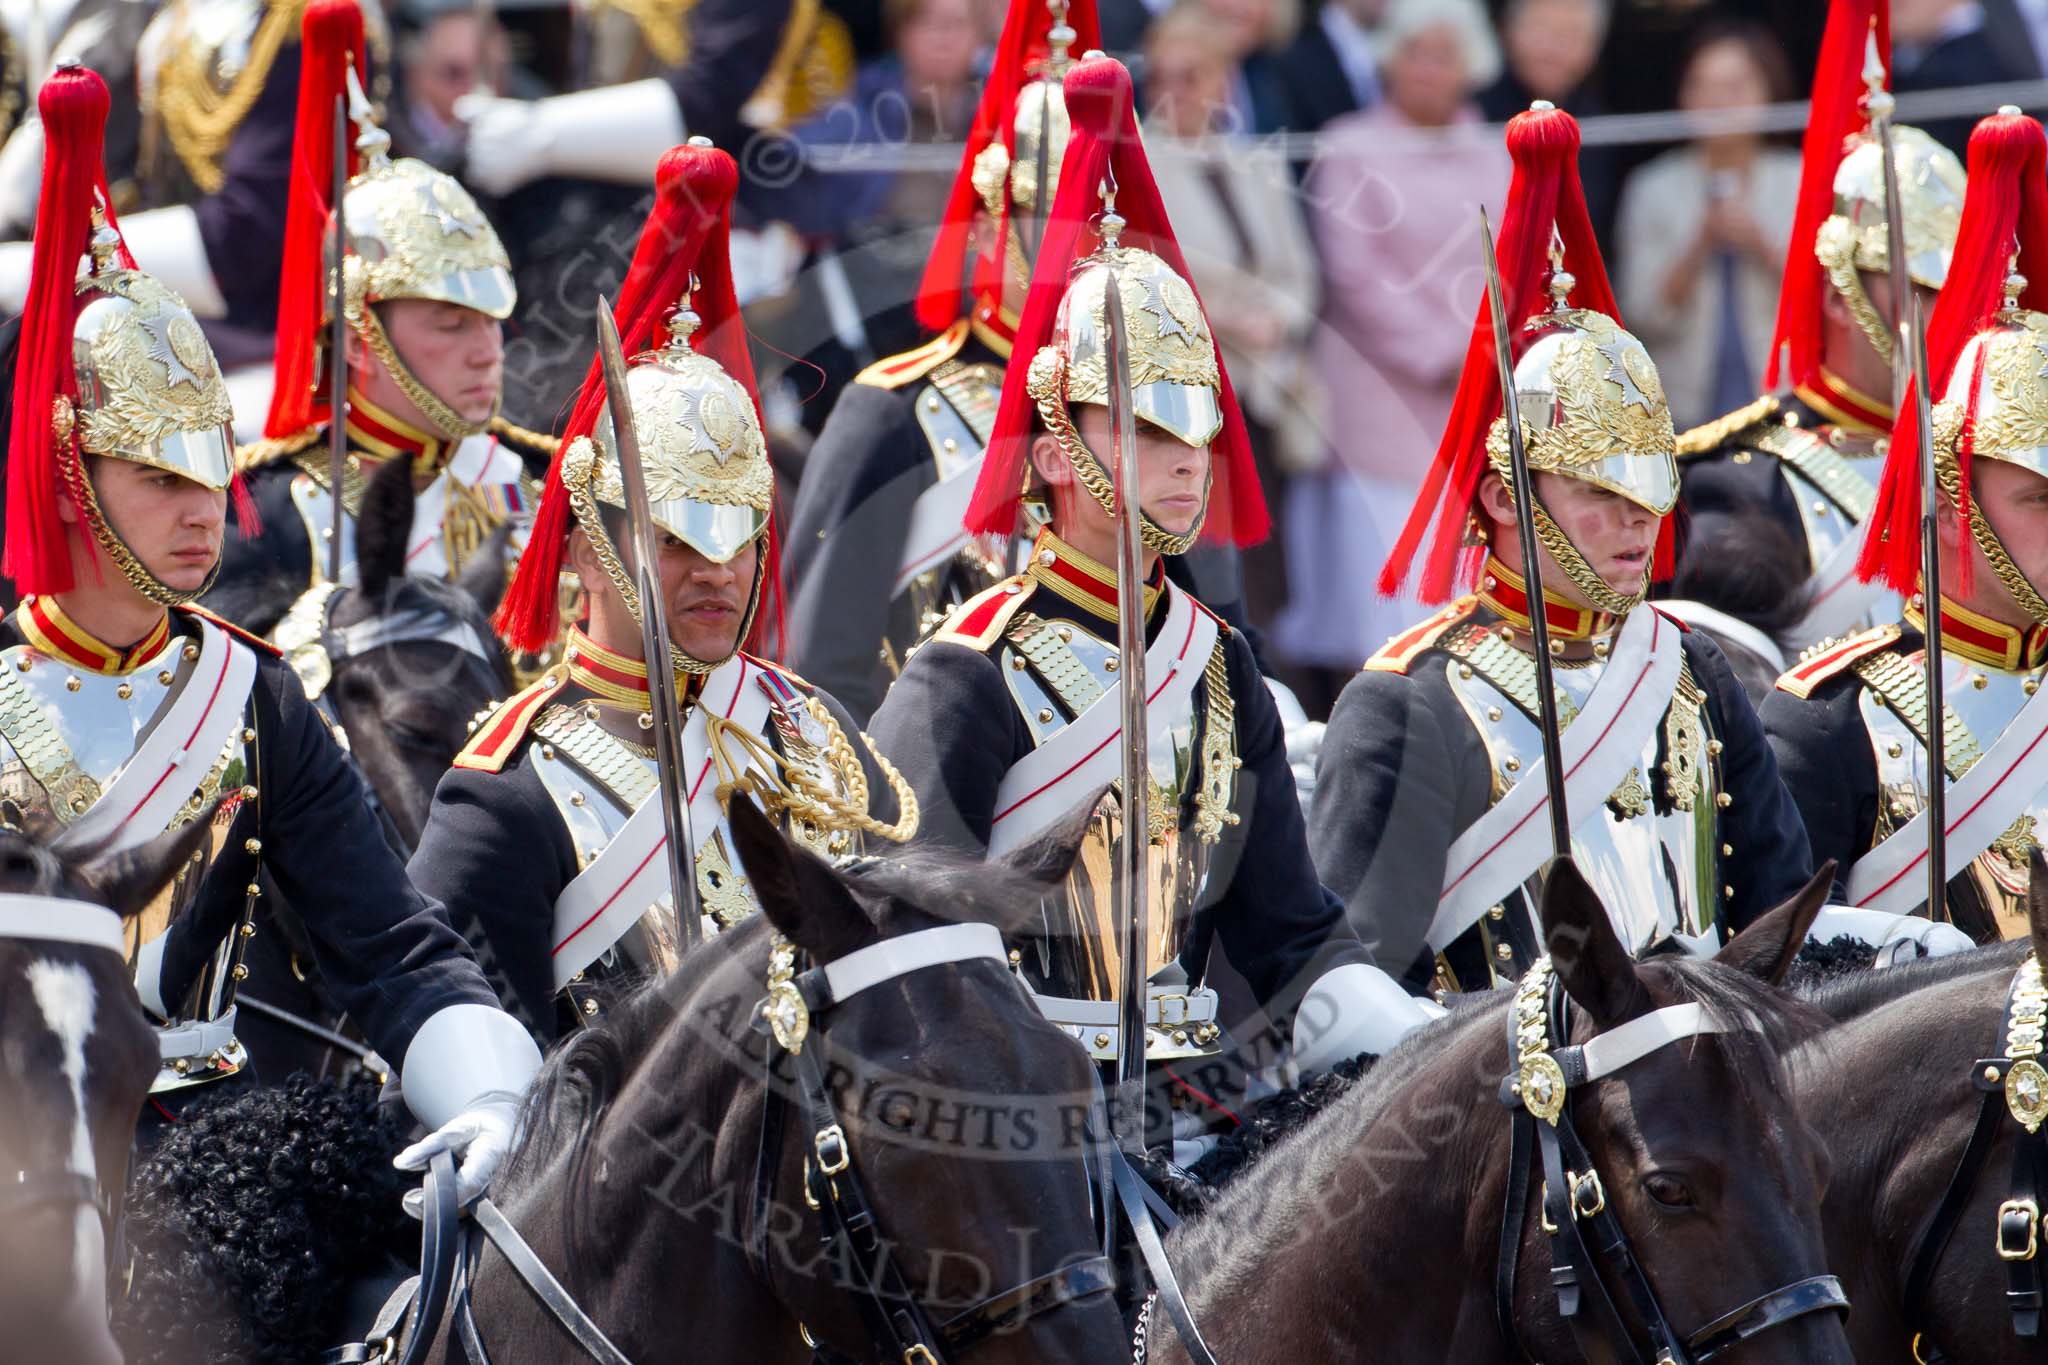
column 1296, row 1178
column 1846, row 997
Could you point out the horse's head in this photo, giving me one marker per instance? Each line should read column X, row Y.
column 966, row 1115
column 1700, row 1153
column 413, row 659
column 76, row 1061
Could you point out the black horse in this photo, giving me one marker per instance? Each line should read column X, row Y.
column 1897, row 1090
column 666, row 1170
column 1375, row 1233
column 76, row 1061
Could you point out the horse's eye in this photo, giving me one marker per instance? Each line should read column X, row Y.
column 1668, row 1190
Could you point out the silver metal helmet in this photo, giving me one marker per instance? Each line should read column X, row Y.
column 149, row 388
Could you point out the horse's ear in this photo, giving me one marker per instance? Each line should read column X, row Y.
column 128, row 881
column 34, row 821
column 1597, row 972
column 483, row 576
column 2037, row 901
column 383, row 527
column 803, row 897
column 1766, row 949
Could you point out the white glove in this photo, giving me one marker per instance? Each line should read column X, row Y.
column 1352, row 1009
column 1897, row 938
column 166, row 243
column 21, row 178
column 464, row 1077
column 614, row 133
column 149, row 975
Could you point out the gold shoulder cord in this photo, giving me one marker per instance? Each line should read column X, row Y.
column 784, row 787
column 198, row 121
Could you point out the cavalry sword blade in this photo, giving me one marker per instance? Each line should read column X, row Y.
column 1914, row 334
column 666, row 713
column 337, row 339
column 1532, row 561
column 1133, row 883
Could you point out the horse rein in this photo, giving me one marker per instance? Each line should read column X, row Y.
column 2014, row 1086
column 898, row 1323
column 59, row 919
column 831, row 1186
column 1538, row 1091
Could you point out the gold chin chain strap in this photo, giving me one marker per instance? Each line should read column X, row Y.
column 2016, row 583
column 363, row 318
column 579, row 466
column 1598, row 594
column 1836, row 249
column 784, row 787
column 131, row 567
column 1047, row 387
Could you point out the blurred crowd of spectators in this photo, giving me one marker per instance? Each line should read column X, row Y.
column 1342, row 270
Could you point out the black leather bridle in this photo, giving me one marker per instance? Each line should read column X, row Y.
column 2015, row 1090
column 896, row 1321
column 1585, row 1234
column 832, row 1187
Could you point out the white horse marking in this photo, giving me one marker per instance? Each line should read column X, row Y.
column 64, row 992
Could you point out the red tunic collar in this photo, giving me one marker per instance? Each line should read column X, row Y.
column 43, row 624
column 1503, row 592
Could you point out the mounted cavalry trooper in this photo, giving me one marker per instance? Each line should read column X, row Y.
column 427, row 287
column 1008, row 721
column 1807, row 456
column 543, row 838
column 203, row 141
column 124, row 710
column 1849, row 722
column 877, row 554
column 1429, row 809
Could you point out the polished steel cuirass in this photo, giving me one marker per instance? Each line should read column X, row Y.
column 597, row 781
column 1650, row 849
column 1073, row 958
column 65, row 736
column 1991, row 893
